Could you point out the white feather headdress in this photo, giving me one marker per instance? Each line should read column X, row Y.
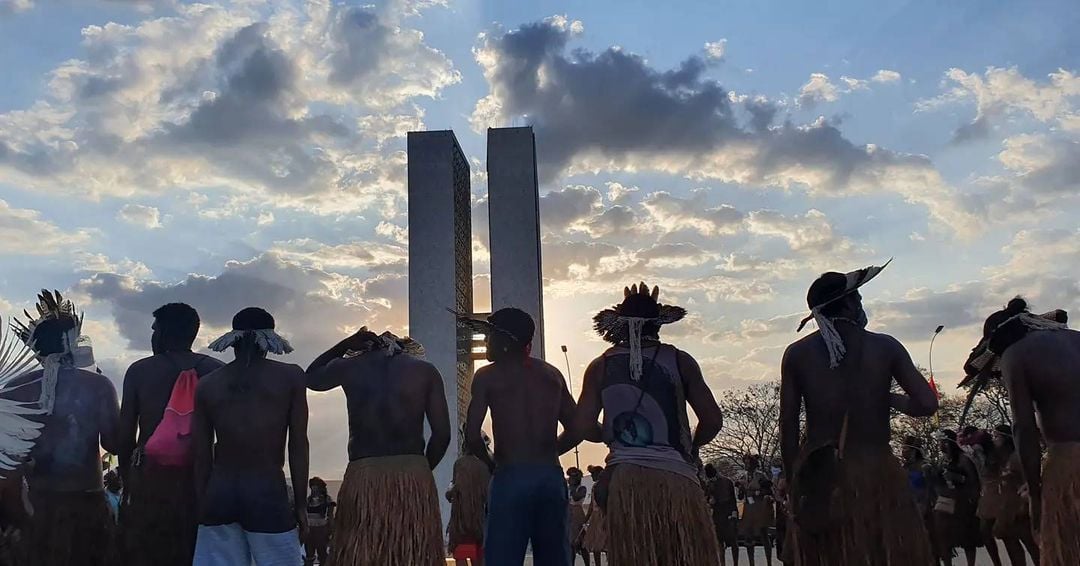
column 267, row 339
column 17, row 432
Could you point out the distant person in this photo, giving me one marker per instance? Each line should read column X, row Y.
column 248, row 414
column 320, row 517
column 1038, row 356
column 468, row 496
column 957, row 488
column 850, row 499
column 528, row 398
column 388, row 505
column 578, row 492
column 157, row 458
column 595, row 537
column 725, row 512
column 978, row 445
column 70, row 522
column 654, row 505
column 759, row 514
column 920, row 476
column 1011, row 520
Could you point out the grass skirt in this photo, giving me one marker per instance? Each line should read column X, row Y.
column 69, row 529
column 158, row 517
column 757, row 517
column 595, row 538
column 658, row 517
column 388, row 514
column 879, row 524
column 1059, row 536
column 469, row 506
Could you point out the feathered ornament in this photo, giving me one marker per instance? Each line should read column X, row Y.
column 984, row 362
column 485, row 327
column 268, row 340
column 75, row 348
column 391, row 344
column 17, row 432
column 833, row 342
column 625, row 322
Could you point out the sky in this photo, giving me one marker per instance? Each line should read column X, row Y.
column 251, row 152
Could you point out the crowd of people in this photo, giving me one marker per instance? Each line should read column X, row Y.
column 202, row 447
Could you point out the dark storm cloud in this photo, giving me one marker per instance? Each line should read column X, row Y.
column 561, row 208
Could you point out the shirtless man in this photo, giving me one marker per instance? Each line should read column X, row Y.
column 1038, row 358
column 388, row 506
column 254, row 408
column 528, row 398
column 159, row 516
column 71, row 518
column 654, row 507
column 843, row 374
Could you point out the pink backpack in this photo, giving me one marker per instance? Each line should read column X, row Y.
column 170, row 445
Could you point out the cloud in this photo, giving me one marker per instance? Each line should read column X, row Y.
column 24, row 232
column 817, row 90
column 8, row 7
column 885, row 76
column 675, row 255
column 716, row 50
column 619, row 193
column 1044, row 165
column 1001, row 92
column 139, row 215
column 93, row 263
column 610, row 110
column 313, row 308
column 349, row 256
column 559, row 209
column 295, row 100
column 810, row 232
column 671, row 213
column 615, row 221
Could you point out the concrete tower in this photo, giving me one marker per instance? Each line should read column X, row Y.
column 514, row 225
column 440, row 270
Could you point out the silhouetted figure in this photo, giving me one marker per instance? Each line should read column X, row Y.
column 157, row 461
column 247, row 415
column 654, row 506
column 320, row 517
column 957, row 488
column 850, row 499
column 595, row 539
column 528, row 398
column 578, row 514
column 758, row 510
column 468, row 497
column 388, row 505
column 1037, row 356
column 1010, row 520
column 725, row 512
column 71, row 522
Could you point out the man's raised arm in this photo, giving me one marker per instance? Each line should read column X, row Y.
column 328, row 371
column 569, row 438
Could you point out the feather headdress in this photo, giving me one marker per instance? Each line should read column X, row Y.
column 75, row 349
column 17, row 432
column 267, row 339
column 389, row 342
column 625, row 322
column 851, row 283
column 985, row 359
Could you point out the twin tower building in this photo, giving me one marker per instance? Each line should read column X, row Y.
column 441, row 259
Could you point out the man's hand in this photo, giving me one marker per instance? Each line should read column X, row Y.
column 359, row 339
column 302, row 526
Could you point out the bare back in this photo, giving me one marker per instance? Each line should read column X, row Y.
column 85, row 418
column 1045, row 367
column 859, row 388
column 527, row 402
column 250, row 427
column 148, row 386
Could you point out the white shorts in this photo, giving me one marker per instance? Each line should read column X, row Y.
column 231, row 545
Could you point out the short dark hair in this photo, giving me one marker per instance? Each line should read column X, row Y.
column 179, row 322
column 253, row 318
column 48, row 337
column 516, row 322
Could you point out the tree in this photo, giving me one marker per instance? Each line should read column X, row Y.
column 751, row 426
column 984, row 414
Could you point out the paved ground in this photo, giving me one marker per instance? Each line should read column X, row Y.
column 983, row 560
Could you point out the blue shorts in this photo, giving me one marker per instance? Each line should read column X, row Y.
column 527, row 504
column 231, row 545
